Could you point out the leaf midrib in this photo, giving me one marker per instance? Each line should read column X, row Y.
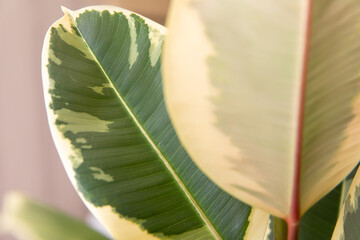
column 295, row 211
column 146, row 135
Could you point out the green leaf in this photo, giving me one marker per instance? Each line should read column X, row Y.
column 347, row 226
column 319, row 221
column 30, row 220
column 264, row 96
column 102, row 85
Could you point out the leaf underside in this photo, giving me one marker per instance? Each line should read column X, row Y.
column 273, row 116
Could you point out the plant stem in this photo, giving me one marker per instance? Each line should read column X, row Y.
column 293, row 230
column 288, row 230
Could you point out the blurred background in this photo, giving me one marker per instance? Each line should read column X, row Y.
column 28, row 159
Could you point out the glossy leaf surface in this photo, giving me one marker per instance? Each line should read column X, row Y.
column 103, row 91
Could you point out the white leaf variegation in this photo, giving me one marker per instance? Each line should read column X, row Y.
column 264, row 95
column 84, row 122
column 258, row 225
column 348, row 224
column 103, row 90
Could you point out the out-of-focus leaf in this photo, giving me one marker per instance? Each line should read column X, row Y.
column 29, row 220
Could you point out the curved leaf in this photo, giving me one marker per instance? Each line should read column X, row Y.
column 265, row 96
column 30, row 220
column 102, row 84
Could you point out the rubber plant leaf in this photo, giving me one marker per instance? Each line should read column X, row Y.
column 28, row 219
column 319, row 221
column 103, row 90
column 265, row 96
column 347, row 226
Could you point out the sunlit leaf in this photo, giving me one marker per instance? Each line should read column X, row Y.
column 265, row 96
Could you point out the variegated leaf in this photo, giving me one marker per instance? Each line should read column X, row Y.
column 348, row 224
column 265, row 95
column 29, row 220
column 103, row 91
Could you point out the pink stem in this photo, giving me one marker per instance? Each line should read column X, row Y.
column 294, row 219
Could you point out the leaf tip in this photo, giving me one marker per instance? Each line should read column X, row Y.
column 65, row 10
